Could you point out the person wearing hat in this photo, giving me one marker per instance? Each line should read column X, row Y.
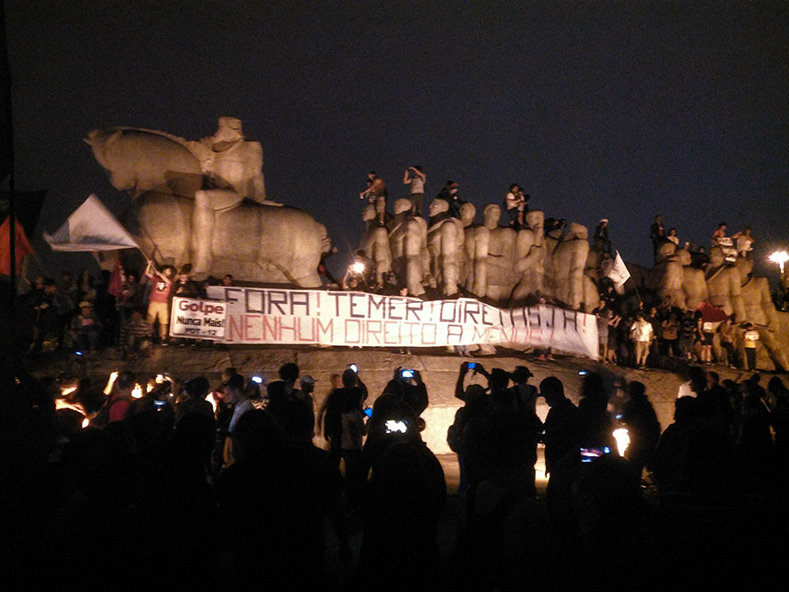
column 601, row 240
column 525, row 394
column 304, row 394
column 86, row 327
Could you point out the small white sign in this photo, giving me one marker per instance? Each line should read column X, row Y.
column 198, row 319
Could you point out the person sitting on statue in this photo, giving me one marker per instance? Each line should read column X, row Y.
column 718, row 234
column 744, row 242
column 450, row 193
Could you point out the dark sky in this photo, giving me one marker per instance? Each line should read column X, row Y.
column 599, row 109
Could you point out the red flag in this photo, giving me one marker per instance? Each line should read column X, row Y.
column 711, row 313
column 116, row 279
column 22, row 247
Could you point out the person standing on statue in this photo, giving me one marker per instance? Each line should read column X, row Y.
column 516, row 204
column 601, row 240
column 657, row 233
column 415, row 177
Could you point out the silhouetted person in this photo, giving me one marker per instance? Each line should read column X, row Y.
column 643, row 427
column 562, row 439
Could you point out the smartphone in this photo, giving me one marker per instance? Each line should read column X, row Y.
column 472, row 365
column 368, row 411
column 583, row 372
column 354, row 368
column 393, row 426
column 407, row 374
column 589, row 454
column 257, row 379
column 159, row 404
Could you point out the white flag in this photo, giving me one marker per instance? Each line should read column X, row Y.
column 91, row 228
column 618, row 272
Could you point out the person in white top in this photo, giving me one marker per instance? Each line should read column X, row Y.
column 744, row 242
column 415, row 177
column 641, row 333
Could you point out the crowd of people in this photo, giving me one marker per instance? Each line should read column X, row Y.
column 164, row 482
column 123, row 308
column 659, row 334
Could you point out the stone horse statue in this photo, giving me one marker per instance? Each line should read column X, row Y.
column 204, row 202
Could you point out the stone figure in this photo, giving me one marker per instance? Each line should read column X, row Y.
column 251, row 242
column 694, row 285
column 467, row 214
column 552, row 239
column 408, row 242
column 141, row 160
column 530, row 253
column 204, row 203
column 568, row 262
column 668, row 275
column 759, row 311
column 591, row 278
column 477, row 243
column 444, row 244
column 375, row 244
column 233, row 171
column 500, row 259
column 723, row 285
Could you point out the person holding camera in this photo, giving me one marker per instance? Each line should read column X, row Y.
column 415, row 177
column 408, row 387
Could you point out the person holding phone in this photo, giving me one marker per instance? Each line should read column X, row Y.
column 407, row 386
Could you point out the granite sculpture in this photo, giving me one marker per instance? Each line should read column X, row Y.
column 205, row 203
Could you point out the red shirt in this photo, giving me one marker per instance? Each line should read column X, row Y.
column 161, row 290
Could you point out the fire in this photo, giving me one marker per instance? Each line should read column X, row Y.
column 73, row 405
column 110, row 382
column 622, row 440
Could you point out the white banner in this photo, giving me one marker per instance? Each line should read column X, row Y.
column 198, row 319
column 272, row 315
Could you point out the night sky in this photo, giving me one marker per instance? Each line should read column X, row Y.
column 600, row 109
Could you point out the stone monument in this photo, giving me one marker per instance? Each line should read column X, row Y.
column 205, row 203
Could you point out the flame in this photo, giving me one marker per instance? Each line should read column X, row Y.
column 110, row 382
column 74, row 406
column 622, row 440
column 137, row 391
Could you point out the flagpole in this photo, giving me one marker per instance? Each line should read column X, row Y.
column 9, row 149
